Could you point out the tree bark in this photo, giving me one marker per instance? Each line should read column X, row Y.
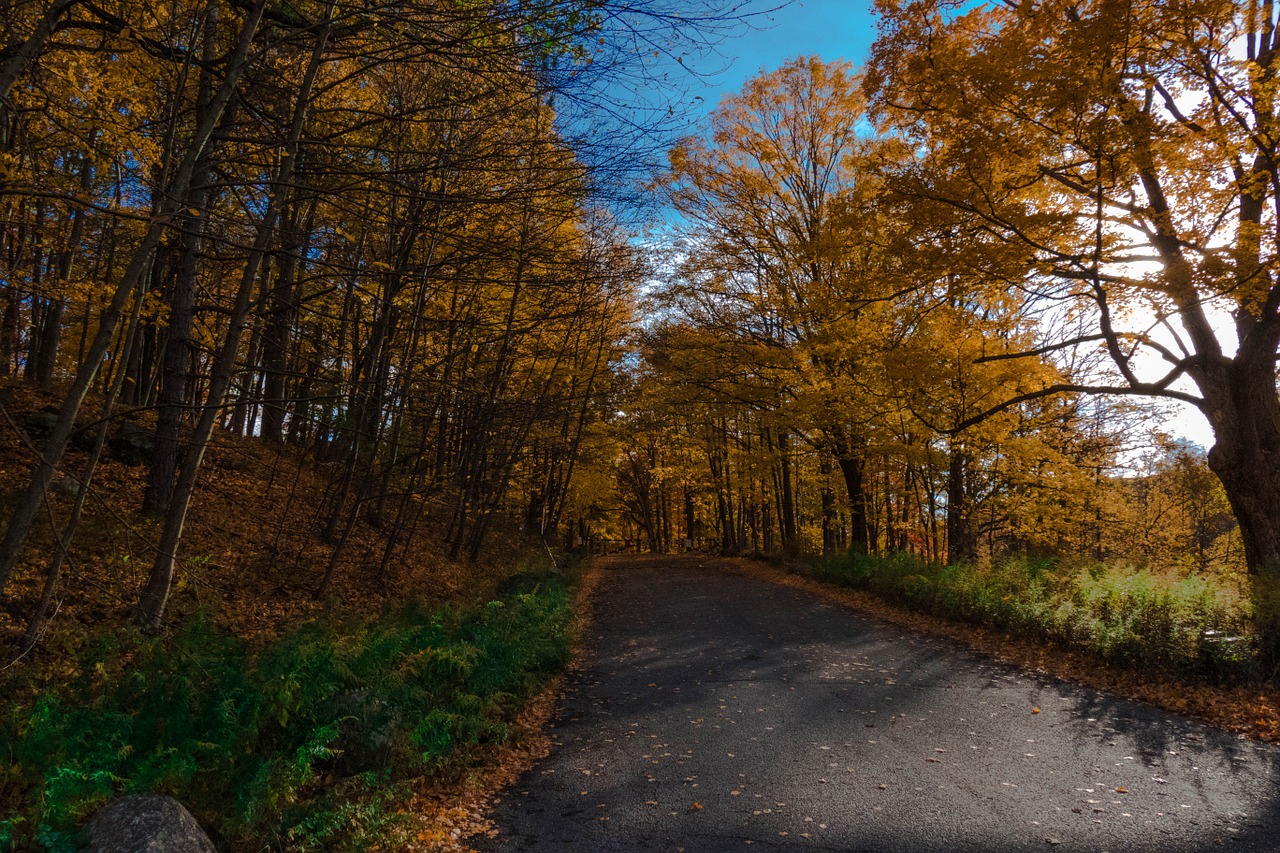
column 852, row 468
column 828, row 506
column 787, row 504
column 962, row 545
column 175, row 363
column 1245, row 415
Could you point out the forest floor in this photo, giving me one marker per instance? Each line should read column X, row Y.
column 722, row 704
column 251, row 563
column 253, row 553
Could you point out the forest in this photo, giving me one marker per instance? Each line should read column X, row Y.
column 312, row 308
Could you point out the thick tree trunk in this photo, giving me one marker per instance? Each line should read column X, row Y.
column 962, row 545
column 852, row 469
column 1244, row 412
column 1246, row 458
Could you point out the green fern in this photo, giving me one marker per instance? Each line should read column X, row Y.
column 247, row 738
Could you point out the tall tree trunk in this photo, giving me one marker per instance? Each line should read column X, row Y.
column 155, row 596
column 787, row 504
column 828, row 506
column 9, row 330
column 281, row 311
column 51, row 332
column 175, row 361
column 61, row 555
column 962, row 544
column 852, row 468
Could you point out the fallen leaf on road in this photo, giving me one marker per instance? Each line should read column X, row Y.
column 1122, row 790
column 697, row 806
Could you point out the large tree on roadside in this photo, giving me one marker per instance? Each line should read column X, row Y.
column 783, row 255
column 1129, row 147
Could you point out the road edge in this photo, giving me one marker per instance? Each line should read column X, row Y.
column 445, row 819
column 1252, row 711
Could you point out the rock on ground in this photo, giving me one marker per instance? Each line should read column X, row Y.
column 145, row 823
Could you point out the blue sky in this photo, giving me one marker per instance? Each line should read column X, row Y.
column 667, row 83
column 831, row 29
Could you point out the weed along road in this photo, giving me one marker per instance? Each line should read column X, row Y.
column 718, row 712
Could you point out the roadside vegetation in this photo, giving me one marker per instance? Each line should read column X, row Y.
column 306, row 744
column 902, row 319
column 1193, row 627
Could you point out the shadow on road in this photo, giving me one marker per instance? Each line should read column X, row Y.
column 720, row 712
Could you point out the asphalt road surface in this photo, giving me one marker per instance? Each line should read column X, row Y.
column 718, row 712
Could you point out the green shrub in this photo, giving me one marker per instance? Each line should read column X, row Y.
column 248, row 741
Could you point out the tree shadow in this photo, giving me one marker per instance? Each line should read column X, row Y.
column 716, row 710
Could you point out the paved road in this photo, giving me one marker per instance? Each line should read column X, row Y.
column 717, row 712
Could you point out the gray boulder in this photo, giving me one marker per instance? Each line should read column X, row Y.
column 144, row 823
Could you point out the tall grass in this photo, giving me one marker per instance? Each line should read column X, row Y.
column 296, row 747
column 1191, row 626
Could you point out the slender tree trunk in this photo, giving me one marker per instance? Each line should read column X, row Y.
column 281, row 310
column 51, row 331
column 787, row 504
column 155, row 595
column 9, row 331
column 828, row 506
column 175, row 361
column 35, row 626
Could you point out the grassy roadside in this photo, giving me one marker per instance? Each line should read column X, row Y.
column 1249, row 708
column 1192, row 627
column 317, row 741
column 444, row 813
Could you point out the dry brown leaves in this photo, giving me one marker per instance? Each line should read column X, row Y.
column 252, row 554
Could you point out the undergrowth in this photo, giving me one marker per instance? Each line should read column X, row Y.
column 299, row 747
column 1195, row 627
